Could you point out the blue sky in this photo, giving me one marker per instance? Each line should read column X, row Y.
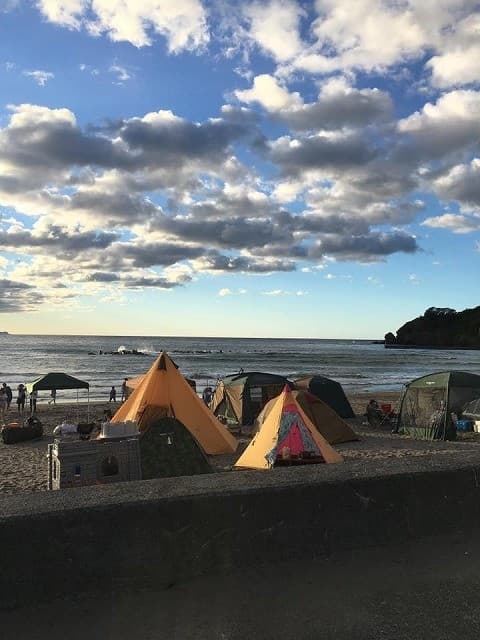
column 267, row 168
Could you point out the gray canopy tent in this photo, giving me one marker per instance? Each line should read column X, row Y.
column 59, row 381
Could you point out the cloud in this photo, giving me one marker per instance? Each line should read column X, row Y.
column 225, row 292
column 449, row 126
column 340, row 105
column 461, row 184
column 275, row 292
column 183, row 24
column 364, row 248
column 40, row 77
column 18, row 297
column 267, row 92
column 89, row 69
column 122, row 75
column 274, row 26
column 454, row 222
column 320, row 151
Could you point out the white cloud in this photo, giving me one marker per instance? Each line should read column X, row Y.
column 267, row 92
column 40, row 77
column 64, row 12
column 182, row 23
column 454, row 222
column 274, row 26
column 89, row 69
column 301, row 293
column 440, row 128
column 275, row 292
column 225, row 292
column 121, row 73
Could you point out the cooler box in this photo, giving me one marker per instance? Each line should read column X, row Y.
column 464, row 425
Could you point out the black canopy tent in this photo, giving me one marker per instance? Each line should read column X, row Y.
column 59, row 381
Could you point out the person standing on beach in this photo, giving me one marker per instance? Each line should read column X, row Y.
column 113, row 395
column 21, row 397
column 124, row 389
column 53, row 396
column 9, row 394
column 3, row 405
column 33, row 401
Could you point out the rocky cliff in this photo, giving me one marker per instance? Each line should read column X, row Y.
column 440, row 328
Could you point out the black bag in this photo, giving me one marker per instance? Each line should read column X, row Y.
column 12, row 435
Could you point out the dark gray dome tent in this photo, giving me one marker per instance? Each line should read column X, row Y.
column 429, row 401
column 240, row 397
column 328, row 390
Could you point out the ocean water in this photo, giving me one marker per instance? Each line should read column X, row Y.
column 357, row 365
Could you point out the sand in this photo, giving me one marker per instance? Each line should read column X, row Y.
column 23, row 466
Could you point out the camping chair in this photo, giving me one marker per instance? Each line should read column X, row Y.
column 389, row 417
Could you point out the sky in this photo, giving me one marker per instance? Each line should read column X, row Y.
column 277, row 168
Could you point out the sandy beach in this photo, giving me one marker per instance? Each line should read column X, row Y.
column 24, row 465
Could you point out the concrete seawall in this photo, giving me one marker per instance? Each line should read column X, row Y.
column 159, row 533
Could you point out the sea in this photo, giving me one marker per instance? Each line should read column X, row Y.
column 359, row 365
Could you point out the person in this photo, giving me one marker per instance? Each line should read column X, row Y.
column 207, row 395
column 53, row 396
column 113, row 395
column 3, row 405
column 33, row 400
column 124, row 389
column 374, row 413
column 9, row 394
column 21, row 397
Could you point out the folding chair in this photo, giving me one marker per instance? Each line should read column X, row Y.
column 389, row 417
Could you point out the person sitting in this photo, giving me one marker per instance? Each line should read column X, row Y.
column 374, row 413
column 207, row 395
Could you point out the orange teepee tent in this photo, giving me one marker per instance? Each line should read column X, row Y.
column 164, row 386
column 287, row 435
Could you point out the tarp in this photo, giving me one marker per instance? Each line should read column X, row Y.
column 325, row 419
column 164, row 386
column 287, row 425
column 240, row 397
column 328, row 390
column 56, row 381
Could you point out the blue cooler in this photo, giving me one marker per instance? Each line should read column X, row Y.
column 464, row 425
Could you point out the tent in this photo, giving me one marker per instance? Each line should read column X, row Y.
column 428, row 402
column 240, row 397
column 167, row 448
column 287, row 435
column 56, row 381
column 164, row 386
column 132, row 383
column 324, row 418
column 472, row 409
column 60, row 381
column 330, row 391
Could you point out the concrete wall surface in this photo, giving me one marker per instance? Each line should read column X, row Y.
column 158, row 533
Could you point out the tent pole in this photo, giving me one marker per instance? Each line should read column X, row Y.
column 88, row 404
column 78, row 409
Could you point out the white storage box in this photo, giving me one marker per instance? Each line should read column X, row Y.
column 126, row 429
